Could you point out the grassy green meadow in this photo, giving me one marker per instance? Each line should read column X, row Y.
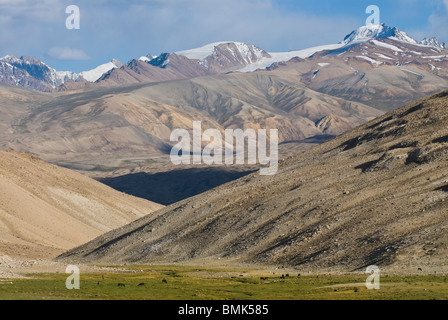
column 190, row 283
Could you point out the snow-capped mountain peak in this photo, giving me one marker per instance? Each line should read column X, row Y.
column 382, row 31
column 144, row 58
column 161, row 61
column 243, row 52
column 94, row 74
column 10, row 58
column 433, row 42
column 200, row 53
column 16, row 70
column 30, row 72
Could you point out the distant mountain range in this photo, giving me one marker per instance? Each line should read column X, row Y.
column 122, row 122
column 212, row 59
column 377, row 65
column 224, row 57
column 31, row 73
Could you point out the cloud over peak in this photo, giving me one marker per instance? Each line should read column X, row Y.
column 66, row 53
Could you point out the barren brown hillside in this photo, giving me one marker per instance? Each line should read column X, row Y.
column 110, row 127
column 46, row 210
column 374, row 195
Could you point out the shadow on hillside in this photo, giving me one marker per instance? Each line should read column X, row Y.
column 318, row 139
column 444, row 188
column 173, row 186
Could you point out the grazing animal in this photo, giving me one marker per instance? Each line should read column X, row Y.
column 282, row 277
column 141, row 285
column 164, row 281
column 121, row 285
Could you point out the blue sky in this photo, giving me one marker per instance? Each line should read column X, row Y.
column 126, row 29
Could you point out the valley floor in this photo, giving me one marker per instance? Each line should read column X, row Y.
column 45, row 280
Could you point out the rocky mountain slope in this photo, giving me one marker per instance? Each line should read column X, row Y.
column 374, row 195
column 46, row 210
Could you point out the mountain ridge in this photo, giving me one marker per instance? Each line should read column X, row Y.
column 211, row 59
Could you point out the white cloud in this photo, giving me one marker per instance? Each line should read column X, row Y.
column 31, row 10
column 179, row 24
column 65, row 53
column 436, row 24
column 438, row 21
